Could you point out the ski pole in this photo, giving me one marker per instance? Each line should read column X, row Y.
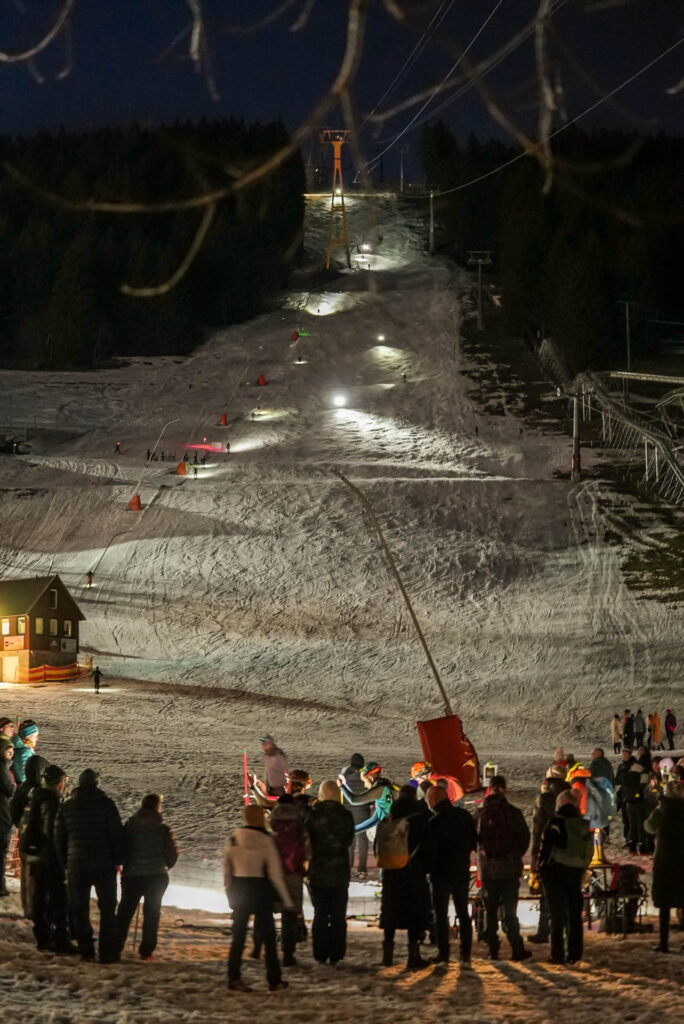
column 244, row 775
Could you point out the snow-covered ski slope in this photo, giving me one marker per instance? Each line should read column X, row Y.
column 263, row 575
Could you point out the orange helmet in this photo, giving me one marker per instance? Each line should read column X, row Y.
column 370, row 770
column 420, row 768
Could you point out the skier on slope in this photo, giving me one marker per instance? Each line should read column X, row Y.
column 379, row 791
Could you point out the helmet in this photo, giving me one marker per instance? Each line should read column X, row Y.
column 420, row 768
column 299, row 780
column 370, row 770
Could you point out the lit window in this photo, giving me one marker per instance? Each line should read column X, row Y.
column 53, row 597
column 66, row 627
column 40, row 625
column 53, row 627
column 21, row 624
column 5, row 627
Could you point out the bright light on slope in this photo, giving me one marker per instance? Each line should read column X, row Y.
column 339, row 400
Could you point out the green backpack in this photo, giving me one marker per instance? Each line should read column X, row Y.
column 579, row 847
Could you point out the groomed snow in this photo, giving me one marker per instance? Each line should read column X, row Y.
column 256, row 597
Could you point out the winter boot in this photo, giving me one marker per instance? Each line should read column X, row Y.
column 415, row 961
column 387, row 954
column 442, row 955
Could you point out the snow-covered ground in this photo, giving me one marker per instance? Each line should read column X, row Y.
column 255, row 597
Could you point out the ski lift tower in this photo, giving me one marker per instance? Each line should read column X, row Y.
column 338, row 233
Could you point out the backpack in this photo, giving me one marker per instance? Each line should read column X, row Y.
column 579, row 846
column 392, row 843
column 289, row 838
column 600, row 802
column 494, row 833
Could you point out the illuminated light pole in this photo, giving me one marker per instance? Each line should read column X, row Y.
column 134, row 503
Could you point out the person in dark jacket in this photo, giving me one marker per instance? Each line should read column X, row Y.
column 454, row 837
column 351, row 777
column 628, row 728
column 287, row 820
column 149, row 850
column 331, row 829
column 620, row 773
column 405, row 900
column 666, row 822
column 600, row 767
column 20, row 805
column 49, row 896
column 544, row 809
column 639, row 728
column 567, row 846
column 502, row 839
column 633, row 793
column 88, row 837
column 6, row 793
column 670, row 727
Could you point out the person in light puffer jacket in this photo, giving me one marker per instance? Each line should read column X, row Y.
column 149, row 850
column 252, row 871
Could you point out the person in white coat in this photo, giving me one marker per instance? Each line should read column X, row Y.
column 254, row 879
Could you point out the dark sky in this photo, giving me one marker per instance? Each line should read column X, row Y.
column 118, row 74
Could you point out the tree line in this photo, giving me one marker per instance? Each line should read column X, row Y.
column 608, row 230
column 61, row 271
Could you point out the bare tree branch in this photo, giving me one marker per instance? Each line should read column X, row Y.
column 547, row 101
column 199, row 47
column 171, row 282
column 52, row 33
column 268, row 19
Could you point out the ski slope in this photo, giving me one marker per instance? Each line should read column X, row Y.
column 256, row 596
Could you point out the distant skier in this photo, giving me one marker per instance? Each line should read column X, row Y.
column 89, row 579
column 404, row 377
column 148, row 454
column 195, row 459
column 261, row 380
column 186, row 456
column 97, row 676
column 117, row 448
column 204, row 458
column 162, row 456
column 194, row 470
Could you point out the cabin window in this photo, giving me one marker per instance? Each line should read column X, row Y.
column 66, row 628
column 53, row 597
column 40, row 625
column 5, row 627
column 21, row 625
column 53, row 627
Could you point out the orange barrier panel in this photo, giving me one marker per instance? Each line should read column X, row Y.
column 449, row 750
column 51, row 673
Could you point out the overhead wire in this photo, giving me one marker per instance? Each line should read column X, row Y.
column 376, row 159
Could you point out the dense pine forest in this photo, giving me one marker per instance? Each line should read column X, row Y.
column 608, row 229
column 61, row 271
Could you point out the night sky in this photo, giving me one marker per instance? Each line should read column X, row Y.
column 122, row 70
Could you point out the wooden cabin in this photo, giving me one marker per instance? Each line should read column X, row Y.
column 39, row 624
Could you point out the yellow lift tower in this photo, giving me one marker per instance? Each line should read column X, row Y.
column 338, row 233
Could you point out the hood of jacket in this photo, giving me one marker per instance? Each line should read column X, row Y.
column 35, row 766
column 147, row 817
column 250, row 838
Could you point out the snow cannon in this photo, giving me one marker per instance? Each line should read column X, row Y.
column 223, row 422
column 449, row 751
column 134, row 504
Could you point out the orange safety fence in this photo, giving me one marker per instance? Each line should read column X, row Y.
column 51, row 673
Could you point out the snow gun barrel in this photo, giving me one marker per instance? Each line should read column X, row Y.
column 400, row 583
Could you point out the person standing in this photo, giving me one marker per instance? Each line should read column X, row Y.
column 566, row 850
column 657, row 732
column 275, row 766
column 291, row 838
column 600, row 767
column 89, row 579
column 97, row 676
column 378, row 795
column 670, row 727
column 616, row 733
column 628, row 728
column 639, row 728
column 666, row 823
column 49, row 898
column 350, row 777
column 6, row 793
column 544, row 809
column 620, row 775
column 405, row 893
column 88, row 838
column 331, row 830
column 19, row 809
column 253, row 874
column 117, row 448
column 502, row 839
column 633, row 791
column 149, row 850
column 24, row 747
column 454, row 837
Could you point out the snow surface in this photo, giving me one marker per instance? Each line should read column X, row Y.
column 256, row 598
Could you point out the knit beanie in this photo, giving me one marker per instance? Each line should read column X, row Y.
column 53, row 774
column 357, row 761
column 89, row 777
column 27, row 730
column 254, row 816
column 5, row 744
